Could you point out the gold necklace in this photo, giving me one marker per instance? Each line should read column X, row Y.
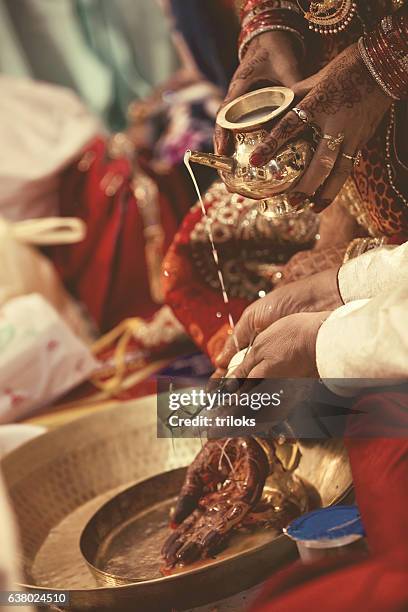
column 330, row 16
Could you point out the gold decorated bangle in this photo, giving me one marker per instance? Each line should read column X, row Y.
column 270, row 455
column 359, row 246
column 270, row 28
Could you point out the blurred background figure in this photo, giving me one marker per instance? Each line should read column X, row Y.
column 100, row 100
column 110, row 53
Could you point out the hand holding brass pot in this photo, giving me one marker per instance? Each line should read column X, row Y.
column 248, row 117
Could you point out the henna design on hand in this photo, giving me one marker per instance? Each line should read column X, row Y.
column 222, row 484
column 345, row 85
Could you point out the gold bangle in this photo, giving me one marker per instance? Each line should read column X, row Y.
column 270, row 455
column 359, row 246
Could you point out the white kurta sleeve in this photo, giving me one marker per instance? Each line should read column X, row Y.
column 382, row 269
column 365, row 339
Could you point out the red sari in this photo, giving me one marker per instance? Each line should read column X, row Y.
column 377, row 583
column 108, row 271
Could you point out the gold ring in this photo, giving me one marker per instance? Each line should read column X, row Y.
column 354, row 158
column 332, row 141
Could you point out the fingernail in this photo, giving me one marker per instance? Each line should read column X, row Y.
column 321, row 204
column 219, row 357
column 297, row 198
column 189, row 552
column 257, row 159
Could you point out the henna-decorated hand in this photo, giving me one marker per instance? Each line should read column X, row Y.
column 271, row 59
column 343, row 98
column 315, row 293
column 222, row 484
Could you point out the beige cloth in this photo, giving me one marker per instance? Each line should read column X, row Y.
column 368, row 338
column 42, row 129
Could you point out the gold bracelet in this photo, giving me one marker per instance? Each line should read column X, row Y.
column 270, row 455
column 359, row 246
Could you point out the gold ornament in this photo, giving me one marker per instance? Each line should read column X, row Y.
column 330, row 16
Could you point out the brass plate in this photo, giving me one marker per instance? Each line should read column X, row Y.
column 59, row 480
column 123, row 540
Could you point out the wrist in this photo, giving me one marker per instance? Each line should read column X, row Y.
column 315, row 324
column 283, row 66
column 270, row 19
column 325, row 290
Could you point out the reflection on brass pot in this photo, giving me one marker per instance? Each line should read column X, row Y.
column 247, row 118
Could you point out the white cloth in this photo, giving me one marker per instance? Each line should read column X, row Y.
column 381, row 269
column 42, row 129
column 365, row 339
column 40, row 357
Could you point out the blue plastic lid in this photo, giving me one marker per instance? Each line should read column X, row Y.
column 327, row 524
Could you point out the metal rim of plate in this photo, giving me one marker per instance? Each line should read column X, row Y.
column 65, row 474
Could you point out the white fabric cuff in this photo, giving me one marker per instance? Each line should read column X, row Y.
column 382, row 269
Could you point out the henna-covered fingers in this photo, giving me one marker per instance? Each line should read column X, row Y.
column 242, row 466
column 287, row 129
column 192, row 488
column 344, row 100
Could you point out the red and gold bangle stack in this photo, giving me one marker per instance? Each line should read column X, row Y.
column 255, row 7
column 258, row 17
column 385, row 53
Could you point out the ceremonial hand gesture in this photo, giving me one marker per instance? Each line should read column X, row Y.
column 318, row 292
column 345, row 105
column 285, row 349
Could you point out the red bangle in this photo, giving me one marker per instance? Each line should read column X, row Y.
column 276, row 24
column 276, row 13
column 396, row 70
column 254, row 5
column 386, row 70
column 387, row 58
column 280, row 17
column 395, row 55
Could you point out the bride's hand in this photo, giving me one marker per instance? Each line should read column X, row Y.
column 271, row 59
column 342, row 100
column 312, row 294
column 222, row 484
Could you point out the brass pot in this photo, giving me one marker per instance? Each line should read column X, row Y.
column 250, row 118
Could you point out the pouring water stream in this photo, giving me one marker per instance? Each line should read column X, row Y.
column 214, row 251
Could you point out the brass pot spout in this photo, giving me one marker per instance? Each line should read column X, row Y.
column 219, row 162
